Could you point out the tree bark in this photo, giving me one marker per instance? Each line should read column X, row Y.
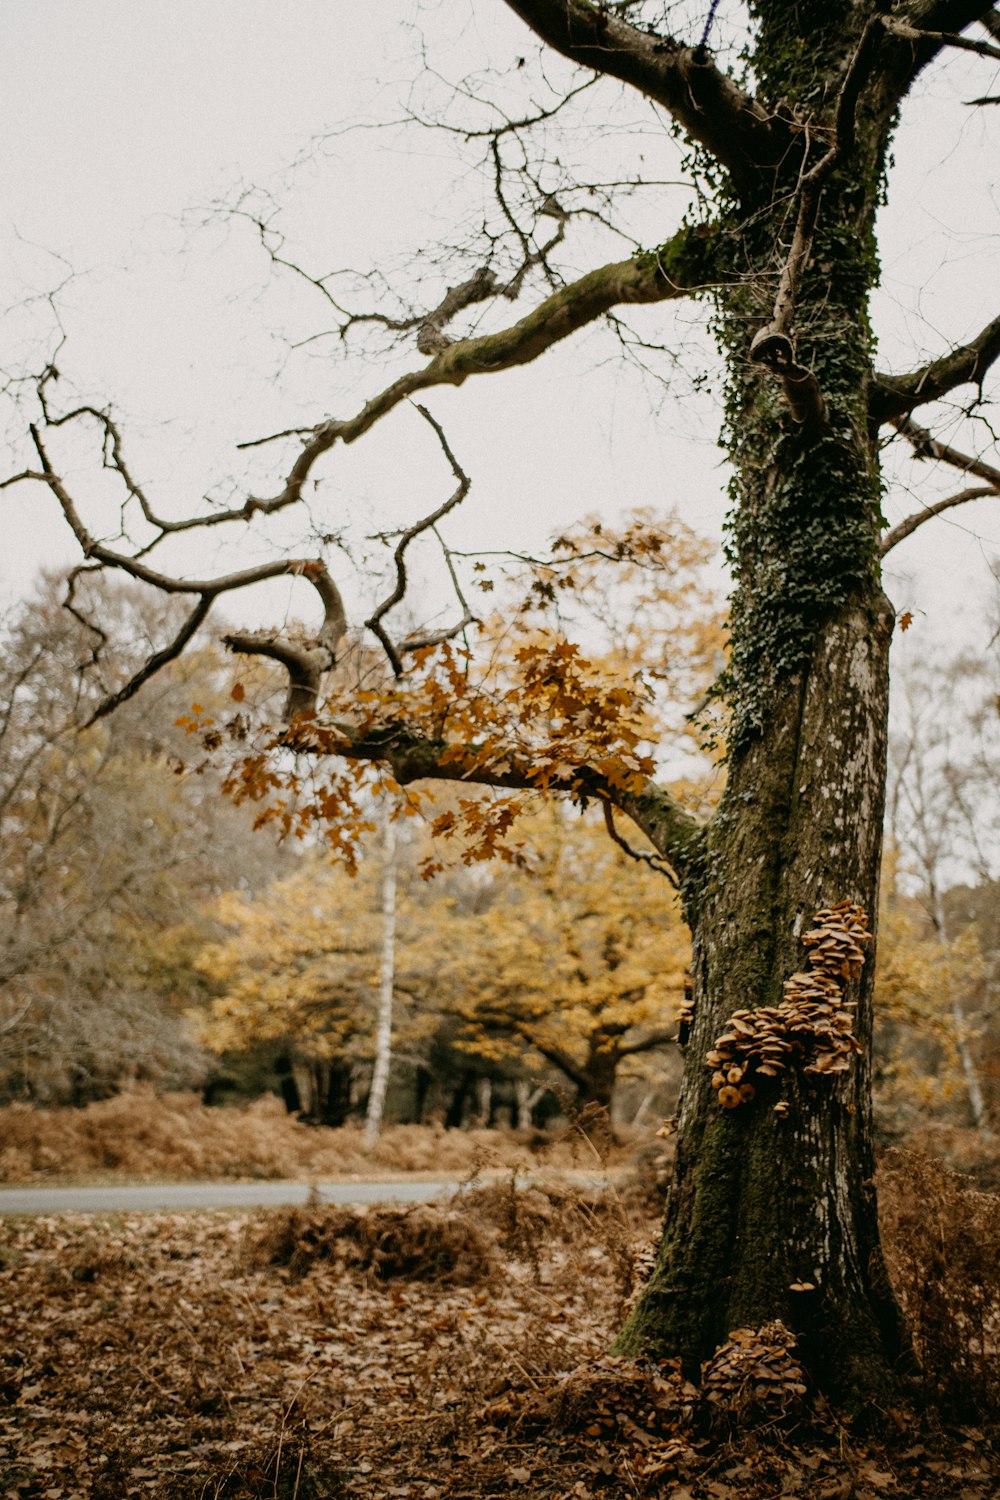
column 772, row 1214
column 762, row 1202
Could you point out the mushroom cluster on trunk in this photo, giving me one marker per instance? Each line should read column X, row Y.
column 813, row 1025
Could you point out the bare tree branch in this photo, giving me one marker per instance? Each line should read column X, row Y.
column 306, row 661
column 642, row 279
column 483, row 285
column 436, row 637
column 153, row 663
column 896, row 395
column 427, row 523
column 903, row 57
column 909, row 525
column 900, row 28
column 304, row 664
column 925, row 445
column 114, row 458
column 738, row 131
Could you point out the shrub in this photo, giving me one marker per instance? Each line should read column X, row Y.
column 424, row 1243
column 941, row 1239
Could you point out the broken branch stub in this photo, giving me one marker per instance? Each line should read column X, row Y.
column 773, row 349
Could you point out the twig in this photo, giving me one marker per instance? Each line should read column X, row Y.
column 643, row 856
column 909, row 525
column 513, row 1359
column 427, row 523
column 925, row 445
column 897, row 27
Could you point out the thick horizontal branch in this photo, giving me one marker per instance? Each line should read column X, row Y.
column 305, row 665
column 676, row 834
column 710, row 106
column 642, row 279
column 896, row 395
column 552, row 1054
column 913, row 40
column 649, row 1043
column 508, row 1023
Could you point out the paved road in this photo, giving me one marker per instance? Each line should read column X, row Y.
column 166, row 1197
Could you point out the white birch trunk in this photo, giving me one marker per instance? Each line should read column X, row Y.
column 526, row 1098
column 484, row 1100
column 387, row 975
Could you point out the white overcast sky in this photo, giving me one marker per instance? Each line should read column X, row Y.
column 124, row 120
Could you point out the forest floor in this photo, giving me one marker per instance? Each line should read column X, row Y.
column 438, row 1353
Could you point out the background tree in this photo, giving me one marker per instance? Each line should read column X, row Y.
column 386, row 983
column 942, row 779
column 103, row 850
column 302, row 966
column 581, row 959
column 787, row 149
column 923, row 990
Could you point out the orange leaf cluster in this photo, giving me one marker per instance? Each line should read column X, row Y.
column 813, row 1024
column 546, row 720
column 515, row 704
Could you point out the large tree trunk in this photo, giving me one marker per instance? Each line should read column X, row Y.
column 763, row 1201
column 595, row 1088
